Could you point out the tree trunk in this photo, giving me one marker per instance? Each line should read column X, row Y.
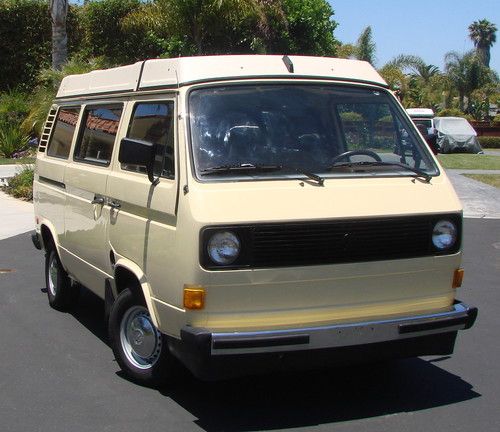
column 58, row 13
column 484, row 55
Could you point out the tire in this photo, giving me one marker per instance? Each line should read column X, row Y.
column 62, row 294
column 140, row 349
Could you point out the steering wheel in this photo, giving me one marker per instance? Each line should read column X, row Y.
column 348, row 154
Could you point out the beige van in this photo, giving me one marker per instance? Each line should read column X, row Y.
column 240, row 214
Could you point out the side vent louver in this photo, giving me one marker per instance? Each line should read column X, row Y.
column 44, row 140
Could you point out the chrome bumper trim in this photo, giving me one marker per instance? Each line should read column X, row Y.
column 459, row 317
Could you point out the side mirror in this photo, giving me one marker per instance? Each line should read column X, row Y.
column 138, row 152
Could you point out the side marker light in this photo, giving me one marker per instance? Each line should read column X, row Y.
column 194, row 297
column 458, row 277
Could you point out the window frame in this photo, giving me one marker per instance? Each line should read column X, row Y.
column 82, row 128
column 133, row 109
column 75, row 132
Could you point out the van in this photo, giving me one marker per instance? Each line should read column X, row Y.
column 241, row 214
column 424, row 120
column 424, row 117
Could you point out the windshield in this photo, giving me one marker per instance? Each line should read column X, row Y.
column 266, row 131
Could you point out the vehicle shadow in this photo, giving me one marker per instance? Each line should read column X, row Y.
column 89, row 312
column 301, row 399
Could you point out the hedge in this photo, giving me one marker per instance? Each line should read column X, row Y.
column 489, row 142
column 25, row 41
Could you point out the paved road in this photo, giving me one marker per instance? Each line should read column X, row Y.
column 478, row 199
column 58, row 374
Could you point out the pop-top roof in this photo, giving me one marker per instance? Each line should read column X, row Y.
column 164, row 73
column 420, row 112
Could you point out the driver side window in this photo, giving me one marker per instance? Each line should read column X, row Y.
column 154, row 122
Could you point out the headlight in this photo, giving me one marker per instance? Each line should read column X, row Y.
column 223, row 247
column 444, row 234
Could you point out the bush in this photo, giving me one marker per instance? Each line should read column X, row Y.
column 104, row 34
column 489, row 142
column 450, row 112
column 25, row 41
column 21, row 185
column 14, row 107
column 12, row 140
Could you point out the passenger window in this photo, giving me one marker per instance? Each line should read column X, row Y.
column 154, row 122
column 98, row 132
column 64, row 129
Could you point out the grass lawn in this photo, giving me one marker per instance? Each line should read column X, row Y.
column 4, row 161
column 491, row 179
column 470, row 161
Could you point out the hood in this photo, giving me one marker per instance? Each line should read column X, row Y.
column 296, row 200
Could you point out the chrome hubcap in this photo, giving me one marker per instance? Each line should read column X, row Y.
column 53, row 275
column 140, row 340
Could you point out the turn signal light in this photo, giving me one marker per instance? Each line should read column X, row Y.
column 194, row 297
column 458, row 277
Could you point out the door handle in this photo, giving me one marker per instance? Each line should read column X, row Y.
column 114, row 204
column 98, row 200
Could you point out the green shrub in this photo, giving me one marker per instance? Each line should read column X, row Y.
column 104, row 34
column 21, row 185
column 351, row 116
column 450, row 112
column 25, row 41
column 14, row 107
column 12, row 140
column 489, row 142
column 497, row 119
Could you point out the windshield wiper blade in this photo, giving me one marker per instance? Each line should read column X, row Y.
column 259, row 168
column 239, row 168
column 418, row 172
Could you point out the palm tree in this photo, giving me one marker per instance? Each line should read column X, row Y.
column 483, row 34
column 365, row 49
column 58, row 13
column 466, row 73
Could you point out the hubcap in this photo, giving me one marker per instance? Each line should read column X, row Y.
column 53, row 275
column 140, row 340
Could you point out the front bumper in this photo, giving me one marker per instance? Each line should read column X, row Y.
column 205, row 352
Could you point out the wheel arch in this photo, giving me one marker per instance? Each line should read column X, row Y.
column 129, row 275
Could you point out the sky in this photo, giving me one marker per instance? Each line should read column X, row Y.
column 427, row 28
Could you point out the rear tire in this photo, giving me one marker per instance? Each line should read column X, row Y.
column 140, row 349
column 62, row 294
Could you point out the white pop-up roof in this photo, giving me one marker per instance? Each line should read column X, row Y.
column 420, row 112
column 164, row 73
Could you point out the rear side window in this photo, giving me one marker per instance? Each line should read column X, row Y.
column 97, row 135
column 64, row 129
column 154, row 122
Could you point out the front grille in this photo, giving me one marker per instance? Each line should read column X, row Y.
column 345, row 241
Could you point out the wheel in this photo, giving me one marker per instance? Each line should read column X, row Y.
column 140, row 349
column 348, row 154
column 62, row 294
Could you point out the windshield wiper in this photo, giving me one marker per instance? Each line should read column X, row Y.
column 239, row 168
column 245, row 167
column 416, row 171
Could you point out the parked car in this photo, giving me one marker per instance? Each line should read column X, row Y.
column 456, row 135
column 240, row 214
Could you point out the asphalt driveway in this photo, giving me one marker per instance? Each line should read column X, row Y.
column 58, row 373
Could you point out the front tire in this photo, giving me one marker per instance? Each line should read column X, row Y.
column 62, row 294
column 140, row 349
